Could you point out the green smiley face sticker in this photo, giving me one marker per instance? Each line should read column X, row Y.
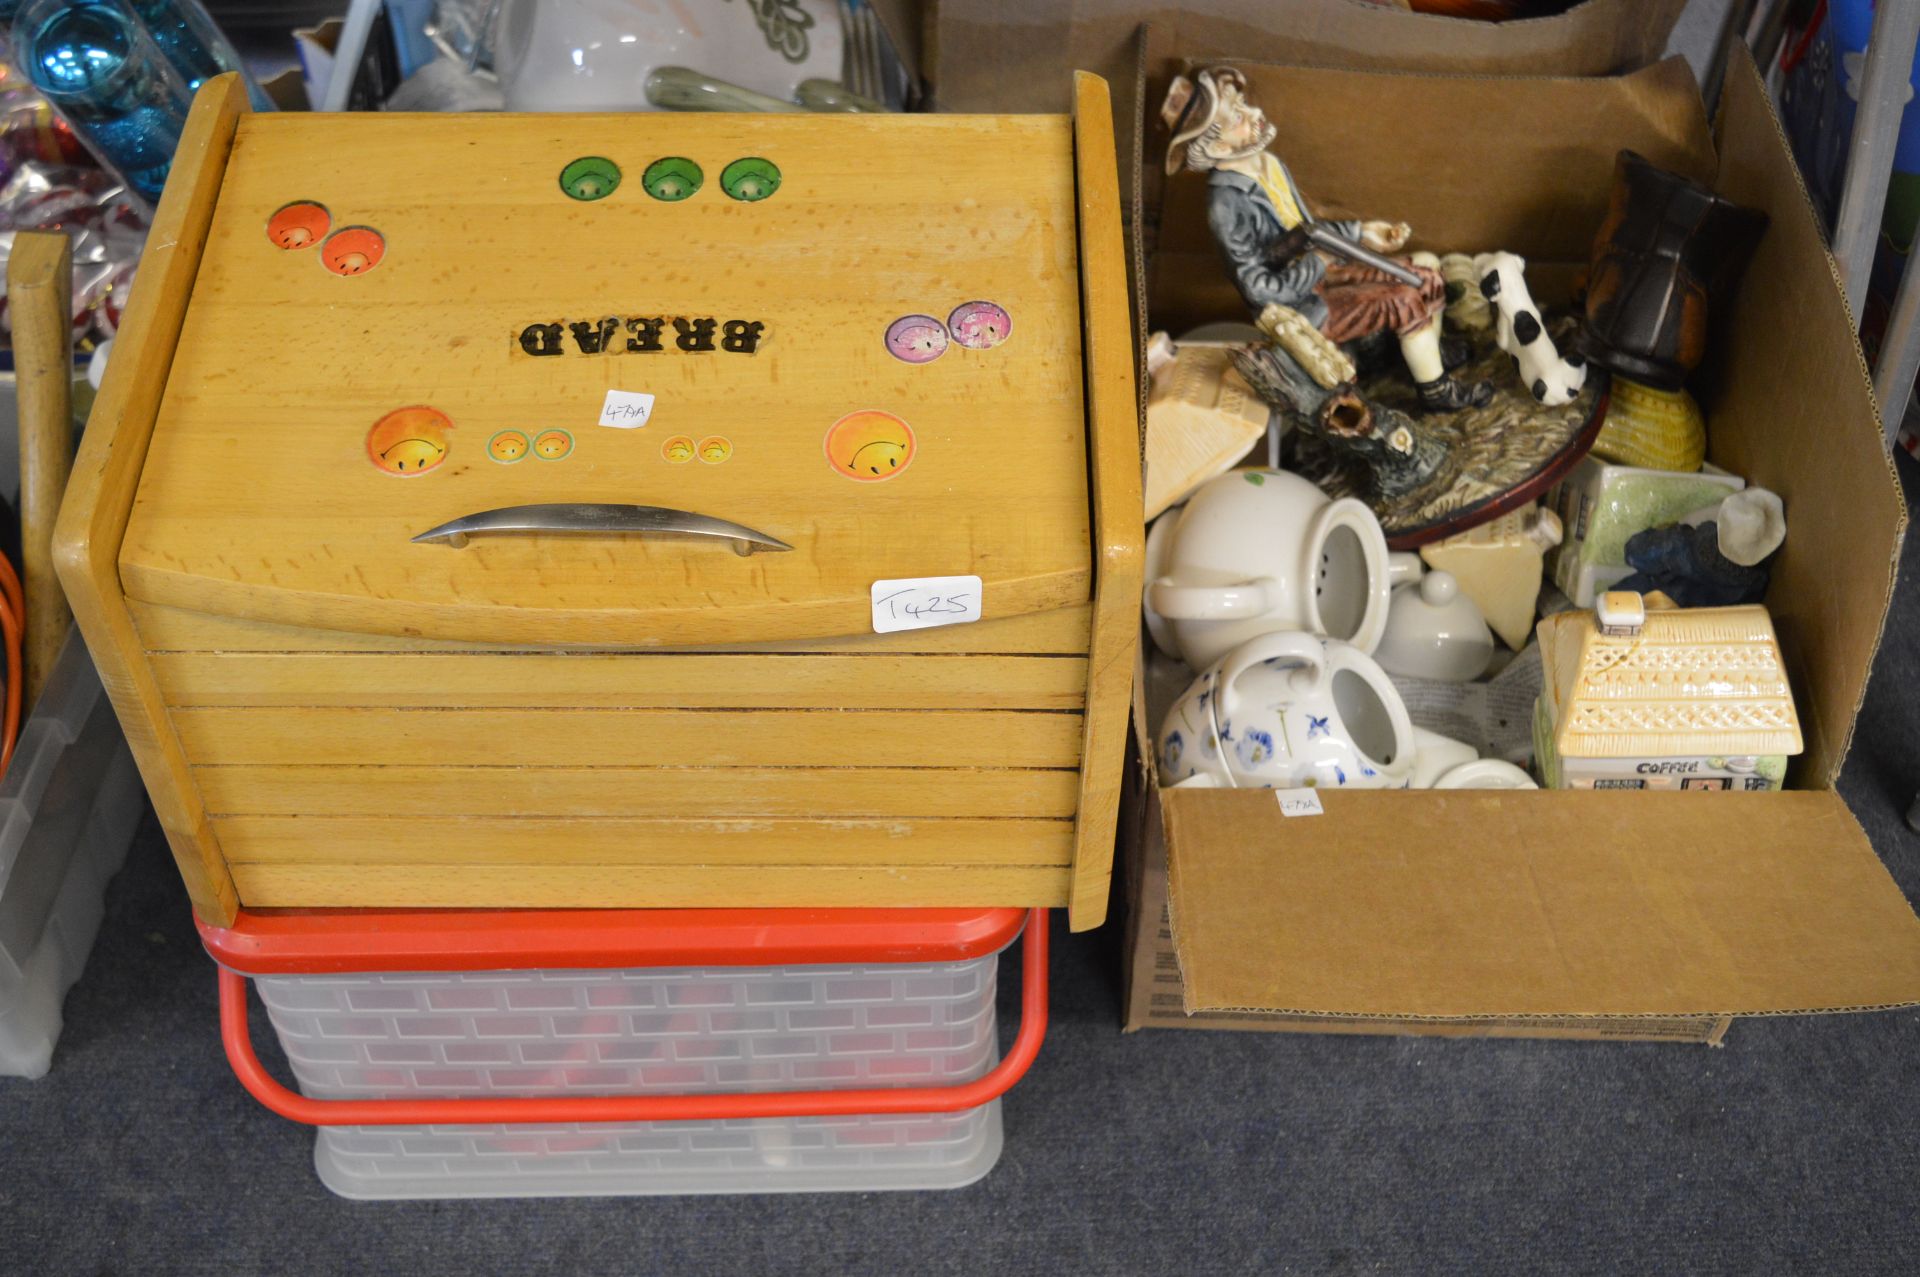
column 591, row 177
column 671, row 179
column 750, row 179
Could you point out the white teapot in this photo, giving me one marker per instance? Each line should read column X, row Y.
column 1286, row 711
column 1259, row 552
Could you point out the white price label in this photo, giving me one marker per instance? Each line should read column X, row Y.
column 626, row 409
column 922, row 602
column 1299, row 802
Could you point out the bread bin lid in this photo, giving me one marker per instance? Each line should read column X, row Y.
column 445, row 333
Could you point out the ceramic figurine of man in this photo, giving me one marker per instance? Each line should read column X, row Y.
column 1253, row 204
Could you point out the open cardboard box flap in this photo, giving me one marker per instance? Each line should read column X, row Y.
column 1486, row 903
column 1430, row 904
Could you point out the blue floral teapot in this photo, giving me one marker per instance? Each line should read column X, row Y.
column 1289, row 711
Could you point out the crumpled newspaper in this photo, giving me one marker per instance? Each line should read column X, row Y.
column 1495, row 717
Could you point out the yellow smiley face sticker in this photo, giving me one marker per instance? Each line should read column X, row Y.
column 551, row 445
column 715, row 448
column 870, row 445
column 409, row 441
column 507, row 447
column 677, row 450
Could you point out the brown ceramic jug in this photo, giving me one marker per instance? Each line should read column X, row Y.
column 1668, row 246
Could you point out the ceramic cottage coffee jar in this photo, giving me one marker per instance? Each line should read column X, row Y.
column 1262, row 551
column 1286, row 711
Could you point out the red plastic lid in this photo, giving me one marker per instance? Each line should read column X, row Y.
column 321, row 941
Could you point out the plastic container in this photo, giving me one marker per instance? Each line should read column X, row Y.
column 69, row 804
column 804, row 1050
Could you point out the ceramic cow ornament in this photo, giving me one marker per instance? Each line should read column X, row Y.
column 1517, row 327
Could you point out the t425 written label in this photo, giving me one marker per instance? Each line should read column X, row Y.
column 922, row 602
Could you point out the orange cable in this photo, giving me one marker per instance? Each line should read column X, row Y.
column 10, row 587
column 13, row 622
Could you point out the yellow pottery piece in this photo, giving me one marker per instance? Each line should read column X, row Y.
column 1656, row 429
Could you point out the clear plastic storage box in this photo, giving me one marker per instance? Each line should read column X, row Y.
column 69, row 804
column 556, row 1005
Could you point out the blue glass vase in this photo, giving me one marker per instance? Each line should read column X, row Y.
column 190, row 39
column 95, row 62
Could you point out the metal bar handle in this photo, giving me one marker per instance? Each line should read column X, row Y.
column 649, row 1108
column 601, row 518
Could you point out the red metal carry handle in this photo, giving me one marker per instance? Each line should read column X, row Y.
column 648, row 1108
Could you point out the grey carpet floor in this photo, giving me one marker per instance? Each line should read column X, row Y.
column 1790, row 1150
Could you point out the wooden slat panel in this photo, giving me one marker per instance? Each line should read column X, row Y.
column 1113, row 421
column 168, row 629
column 644, row 886
column 687, row 792
column 624, row 680
column 106, row 474
column 39, row 274
column 633, row 738
column 458, row 842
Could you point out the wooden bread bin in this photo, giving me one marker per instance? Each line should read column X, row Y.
column 562, row 708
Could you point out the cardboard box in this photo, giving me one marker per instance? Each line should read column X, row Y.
column 1017, row 55
column 1154, row 994
column 1557, row 913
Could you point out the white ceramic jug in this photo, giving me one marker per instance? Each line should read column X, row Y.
column 1259, row 552
column 594, row 55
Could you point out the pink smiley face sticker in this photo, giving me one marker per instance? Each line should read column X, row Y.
column 916, row 339
column 979, row 325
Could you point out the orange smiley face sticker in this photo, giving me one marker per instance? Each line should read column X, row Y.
column 507, row 447
column 677, row 450
column 409, row 441
column 353, row 250
column 869, row 445
column 299, row 225
column 551, row 445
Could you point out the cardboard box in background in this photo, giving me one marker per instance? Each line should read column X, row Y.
column 1553, row 183
column 1018, row 55
column 1558, row 913
column 905, row 23
column 999, row 56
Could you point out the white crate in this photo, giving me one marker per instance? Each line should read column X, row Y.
column 645, row 1031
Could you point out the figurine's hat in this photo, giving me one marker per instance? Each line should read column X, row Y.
column 1191, row 108
column 1752, row 524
